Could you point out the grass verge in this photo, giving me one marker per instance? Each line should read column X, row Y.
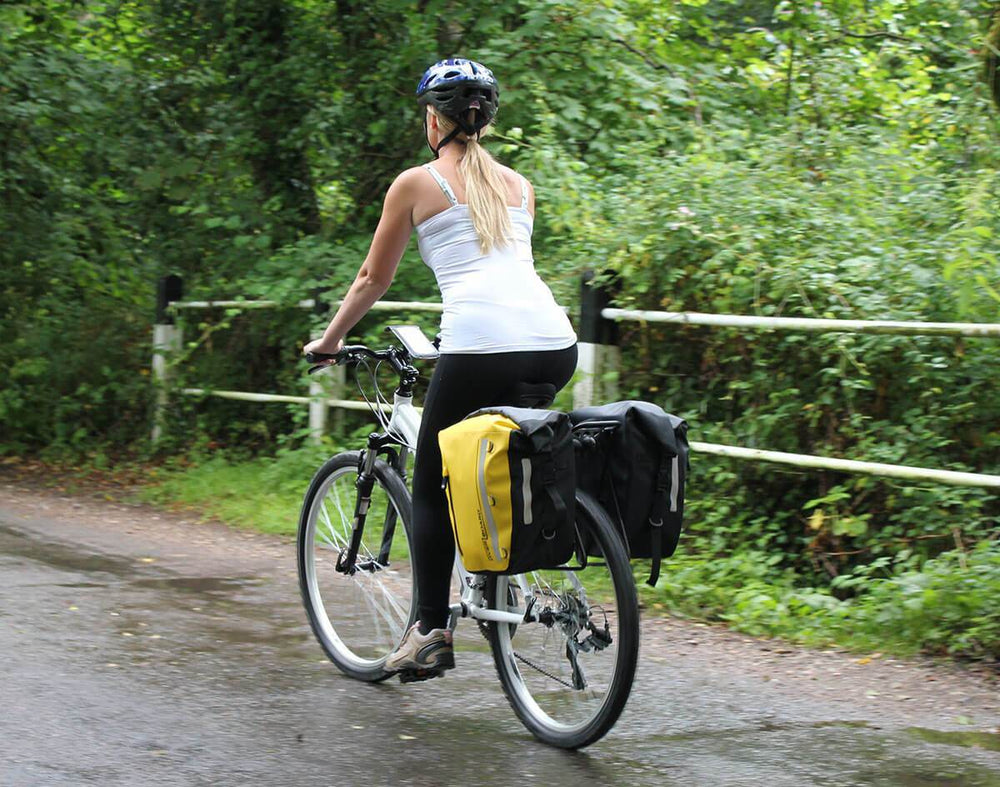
column 264, row 493
column 947, row 606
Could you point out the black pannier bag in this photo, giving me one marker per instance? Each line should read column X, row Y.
column 636, row 469
column 509, row 479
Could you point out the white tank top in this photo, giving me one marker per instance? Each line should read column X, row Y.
column 493, row 302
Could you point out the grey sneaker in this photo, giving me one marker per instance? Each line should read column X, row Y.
column 420, row 656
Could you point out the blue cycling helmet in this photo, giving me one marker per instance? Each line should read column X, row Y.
column 454, row 87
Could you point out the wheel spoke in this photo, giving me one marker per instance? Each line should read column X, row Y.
column 340, row 508
column 325, row 517
column 326, row 539
column 383, row 613
column 391, row 613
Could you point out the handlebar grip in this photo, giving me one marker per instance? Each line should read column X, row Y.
column 344, row 354
column 319, row 357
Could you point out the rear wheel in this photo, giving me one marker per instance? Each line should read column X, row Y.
column 360, row 617
column 568, row 672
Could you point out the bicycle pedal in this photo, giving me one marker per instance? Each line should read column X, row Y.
column 417, row 675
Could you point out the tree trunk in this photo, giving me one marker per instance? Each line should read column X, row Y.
column 266, row 91
column 992, row 53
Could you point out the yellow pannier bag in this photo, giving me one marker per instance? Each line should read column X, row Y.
column 509, row 477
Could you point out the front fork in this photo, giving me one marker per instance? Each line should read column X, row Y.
column 397, row 460
column 347, row 561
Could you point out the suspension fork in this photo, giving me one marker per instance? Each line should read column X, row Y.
column 389, row 526
column 347, row 562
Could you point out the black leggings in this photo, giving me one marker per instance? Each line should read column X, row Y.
column 462, row 383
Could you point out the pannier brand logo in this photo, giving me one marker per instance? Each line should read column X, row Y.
column 485, row 536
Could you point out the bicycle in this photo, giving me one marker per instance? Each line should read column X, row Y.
column 564, row 641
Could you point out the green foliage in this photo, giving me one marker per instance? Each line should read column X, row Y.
column 948, row 607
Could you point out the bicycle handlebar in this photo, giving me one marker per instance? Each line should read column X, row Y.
column 351, row 352
column 398, row 358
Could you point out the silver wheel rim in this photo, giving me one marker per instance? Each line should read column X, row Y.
column 376, row 606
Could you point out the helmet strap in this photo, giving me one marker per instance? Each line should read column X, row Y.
column 451, row 135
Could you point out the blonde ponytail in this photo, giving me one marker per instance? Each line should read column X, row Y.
column 485, row 190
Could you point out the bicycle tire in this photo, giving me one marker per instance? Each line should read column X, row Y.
column 358, row 619
column 533, row 659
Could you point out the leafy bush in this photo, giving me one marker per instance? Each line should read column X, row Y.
column 949, row 606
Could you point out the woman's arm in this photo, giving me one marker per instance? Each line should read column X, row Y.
column 379, row 267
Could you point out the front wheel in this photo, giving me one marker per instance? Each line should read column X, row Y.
column 568, row 671
column 359, row 617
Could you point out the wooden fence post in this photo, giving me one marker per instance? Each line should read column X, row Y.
column 600, row 358
column 322, row 387
column 317, row 390
column 317, row 403
column 167, row 341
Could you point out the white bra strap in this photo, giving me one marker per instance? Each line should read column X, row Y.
column 524, row 192
column 443, row 184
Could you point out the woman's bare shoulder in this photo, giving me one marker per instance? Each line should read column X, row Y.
column 412, row 183
column 512, row 175
column 514, row 179
column 412, row 176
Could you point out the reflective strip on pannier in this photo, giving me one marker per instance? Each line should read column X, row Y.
column 526, row 489
column 485, row 502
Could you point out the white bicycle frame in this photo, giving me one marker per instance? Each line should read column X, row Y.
column 404, row 424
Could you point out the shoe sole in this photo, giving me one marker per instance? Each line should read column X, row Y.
column 444, row 661
column 417, row 675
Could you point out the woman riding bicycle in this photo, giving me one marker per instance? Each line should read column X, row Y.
column 501, row 327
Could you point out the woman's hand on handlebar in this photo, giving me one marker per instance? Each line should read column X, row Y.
column 321, row 346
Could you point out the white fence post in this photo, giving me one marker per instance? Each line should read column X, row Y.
column 600, row 357
column 317, row 404
column 167, row 341
column 323, row 387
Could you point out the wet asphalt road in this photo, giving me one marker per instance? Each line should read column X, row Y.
column 138, row 650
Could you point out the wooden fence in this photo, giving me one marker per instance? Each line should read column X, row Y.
column 600, row 357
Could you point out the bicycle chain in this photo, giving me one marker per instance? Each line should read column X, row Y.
column 547, row 674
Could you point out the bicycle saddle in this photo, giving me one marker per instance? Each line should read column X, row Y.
column 537, row 395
